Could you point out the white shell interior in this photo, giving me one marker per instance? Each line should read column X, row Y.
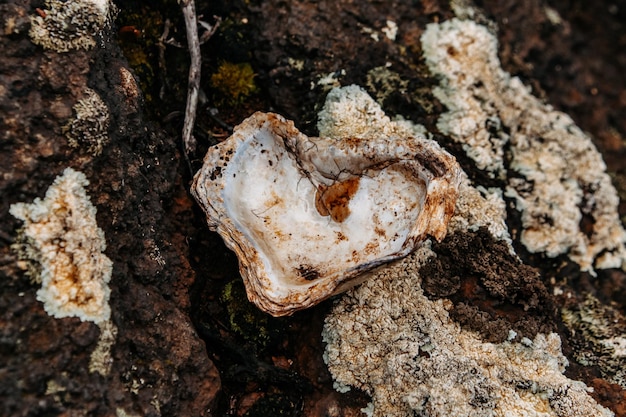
column 269, row 199
column 307, row 216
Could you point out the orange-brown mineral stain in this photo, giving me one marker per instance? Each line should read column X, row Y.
column 334, row 199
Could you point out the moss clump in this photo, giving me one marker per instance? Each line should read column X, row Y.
column 245, row 320
column 234, row 81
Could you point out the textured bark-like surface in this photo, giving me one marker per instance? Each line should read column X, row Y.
column 188, row 342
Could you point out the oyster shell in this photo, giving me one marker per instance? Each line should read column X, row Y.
column 307, row 216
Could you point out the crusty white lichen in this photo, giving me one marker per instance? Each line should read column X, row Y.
column 60, row 235
column 67, row 25
column 351, row 112
column 553, row 172
column 388, row 339
column 88, row 129
column 478, row 207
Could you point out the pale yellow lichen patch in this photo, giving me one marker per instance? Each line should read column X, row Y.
column 390, row 30
column 101, row 360
column 120, row 412
column 297, row 64
column 61, row 237
column 329, row 81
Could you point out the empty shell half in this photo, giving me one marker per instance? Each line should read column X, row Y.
column 307, row 216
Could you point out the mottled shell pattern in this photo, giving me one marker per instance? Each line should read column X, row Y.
column 307, row 216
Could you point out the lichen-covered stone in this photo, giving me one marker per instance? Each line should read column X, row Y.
column 88, row 129
column 388, row 339
column 554, row 173
column 403, row 349
column 66, row 25
column 597, row 338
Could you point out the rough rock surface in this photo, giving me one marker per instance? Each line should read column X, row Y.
column 58, row 366
column 176, row 298
column 388, row 339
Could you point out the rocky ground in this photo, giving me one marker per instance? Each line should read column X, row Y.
column 186, row 340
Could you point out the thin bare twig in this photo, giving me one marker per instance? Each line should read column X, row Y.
column 193, row 43
column 210, row 29
column 193, row 88
column 163, row 68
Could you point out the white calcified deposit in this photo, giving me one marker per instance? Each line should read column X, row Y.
column 403, row 349
column 307, row 216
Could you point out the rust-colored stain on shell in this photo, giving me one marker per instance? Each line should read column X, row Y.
column 307, row 216
column 333, row 200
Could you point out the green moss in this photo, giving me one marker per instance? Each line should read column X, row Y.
column 244, row 318
column 234, row 82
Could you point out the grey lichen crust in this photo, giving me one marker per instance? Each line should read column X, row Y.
column 599, row 337
column 61, row 237
column 388, row 339
column 67, row 25
column 88, row 129
column 555, row 175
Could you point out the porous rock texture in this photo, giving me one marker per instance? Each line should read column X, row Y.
column 178, row 308
column 144, row 357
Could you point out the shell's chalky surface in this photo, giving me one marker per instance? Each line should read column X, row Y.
column 306, row 216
